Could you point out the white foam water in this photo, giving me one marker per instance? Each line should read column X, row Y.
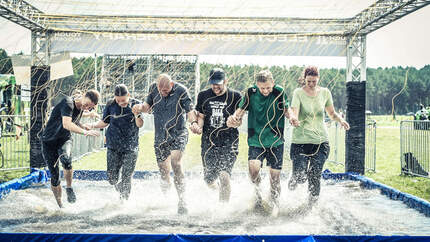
column 343, row 209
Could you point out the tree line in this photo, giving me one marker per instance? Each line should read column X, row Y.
column 383, row 84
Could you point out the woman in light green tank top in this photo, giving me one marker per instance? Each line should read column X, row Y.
column 309, row 146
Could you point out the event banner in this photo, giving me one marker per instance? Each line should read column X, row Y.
column 198, row 44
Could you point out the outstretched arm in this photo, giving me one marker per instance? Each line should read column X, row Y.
column 336, row 117
column 69, row 125
column 96, row 125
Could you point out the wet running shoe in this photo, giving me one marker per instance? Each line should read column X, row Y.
column 275, row 209
column 312, row 200
column 258, row 199
column 292, row 184
column 117, row 188
column 71, row 197
column 182, row 207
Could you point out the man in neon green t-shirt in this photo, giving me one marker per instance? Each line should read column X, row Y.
column 267, row 105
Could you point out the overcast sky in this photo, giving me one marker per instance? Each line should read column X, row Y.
column 401, row 43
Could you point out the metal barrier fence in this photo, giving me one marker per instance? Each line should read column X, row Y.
column 14, row 150
column 14, row 142
column 415, row 148
column 370, row 163
column 337, row 144
column 83, row 145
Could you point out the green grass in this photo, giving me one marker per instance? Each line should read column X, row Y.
column 146, row 159
column 12, row 174
column 388, row 159
column 388, row 165
column 15, row 154
column 387, row 120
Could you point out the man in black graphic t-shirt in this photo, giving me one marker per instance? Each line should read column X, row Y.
column 219, row 143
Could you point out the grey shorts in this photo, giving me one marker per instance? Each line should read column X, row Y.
column 164, row 149
column 216, row 159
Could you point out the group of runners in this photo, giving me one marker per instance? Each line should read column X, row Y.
column 216, row 117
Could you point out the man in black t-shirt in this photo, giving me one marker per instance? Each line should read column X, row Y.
column 122, row 138
column 219, row 142
column 57, row 139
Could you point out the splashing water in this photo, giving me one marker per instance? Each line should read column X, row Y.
column 343, row 208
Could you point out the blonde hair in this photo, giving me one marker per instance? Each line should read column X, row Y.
column 264, row 76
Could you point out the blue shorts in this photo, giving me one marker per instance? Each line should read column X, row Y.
column 274, row 155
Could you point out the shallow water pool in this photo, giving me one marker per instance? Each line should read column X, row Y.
column 343, row 209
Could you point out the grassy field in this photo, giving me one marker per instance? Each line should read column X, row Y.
column 15, row 154
column 387, row 158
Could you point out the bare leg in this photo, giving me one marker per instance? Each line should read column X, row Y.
column 275, row 190
column 164, row 168
column 68, row 175
column 225, row 188
column 57, row 194
column 254, row 173
column 275, row 184
column 176, row 156
column 213, row 185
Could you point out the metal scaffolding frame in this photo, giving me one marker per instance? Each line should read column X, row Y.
column 22, row 13
column 381, row 13
column 356, row 59
column 40, row 48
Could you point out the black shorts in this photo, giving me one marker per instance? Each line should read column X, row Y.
column 319, row 152
column 55, row 152
column 216, row 159
column 274, row 155
column 163, row 149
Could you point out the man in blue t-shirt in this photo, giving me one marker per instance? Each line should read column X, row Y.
column 122, row 138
